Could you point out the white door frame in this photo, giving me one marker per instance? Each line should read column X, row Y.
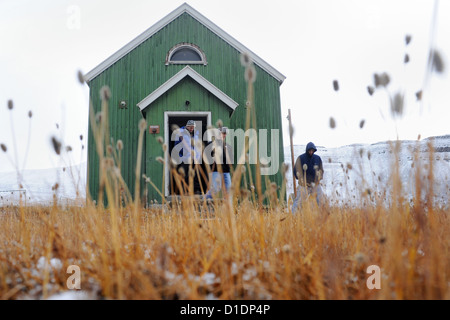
column 167, row 115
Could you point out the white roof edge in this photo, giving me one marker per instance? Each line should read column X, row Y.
column 166, row 20
column 187, row 71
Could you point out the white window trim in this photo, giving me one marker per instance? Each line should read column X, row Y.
column 180, row 46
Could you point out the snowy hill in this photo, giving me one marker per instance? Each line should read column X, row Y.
column 68, row 185
column 371, row 169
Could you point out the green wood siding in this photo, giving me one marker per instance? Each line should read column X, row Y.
column 143, row 70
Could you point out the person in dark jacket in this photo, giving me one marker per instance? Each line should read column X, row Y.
column 308, row 170
column 221, row 165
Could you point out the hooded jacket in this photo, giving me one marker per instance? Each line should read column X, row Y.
column 314, row 167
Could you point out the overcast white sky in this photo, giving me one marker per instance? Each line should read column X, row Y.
column 44, row 43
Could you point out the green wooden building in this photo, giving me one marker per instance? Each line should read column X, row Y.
column 183, row 67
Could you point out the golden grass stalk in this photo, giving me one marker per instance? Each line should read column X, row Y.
column 240, row 252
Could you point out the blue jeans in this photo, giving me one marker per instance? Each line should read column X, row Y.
column 303, row 193
column 216, row 183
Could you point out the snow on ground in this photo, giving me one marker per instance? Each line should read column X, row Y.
column 351, row 171
column 72, row 295
column 39, row 187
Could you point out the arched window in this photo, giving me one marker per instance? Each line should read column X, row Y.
column 186, row 53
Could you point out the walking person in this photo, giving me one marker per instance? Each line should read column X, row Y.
column 222, row 159
column 308, row 169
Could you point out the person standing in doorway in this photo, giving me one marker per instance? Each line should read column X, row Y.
column 222, row 159
column 190, row 154
column 308, row 169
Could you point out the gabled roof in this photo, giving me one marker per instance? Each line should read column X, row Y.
column 187, row 71
column 184, row 8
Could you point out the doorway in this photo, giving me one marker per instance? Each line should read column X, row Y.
column 172, row 120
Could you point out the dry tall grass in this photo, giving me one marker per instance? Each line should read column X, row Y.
column 240, row 253
column 238, row 250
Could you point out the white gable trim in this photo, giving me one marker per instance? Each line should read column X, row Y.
column 166, row 20
column 187, row 71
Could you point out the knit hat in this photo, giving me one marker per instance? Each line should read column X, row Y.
column 190, row 123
